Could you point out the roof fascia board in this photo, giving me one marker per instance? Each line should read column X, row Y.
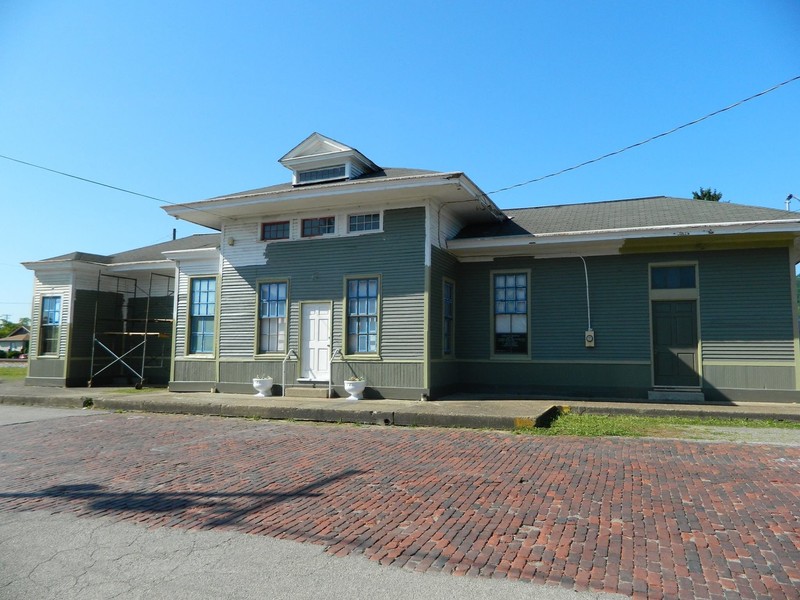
column 146, row 265
column 193, row 254
column 312, row 139
column 355, row 188
column 779, row 226
column 71, row 265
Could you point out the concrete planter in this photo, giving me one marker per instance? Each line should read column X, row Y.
column 355, row 389
column 263, row 385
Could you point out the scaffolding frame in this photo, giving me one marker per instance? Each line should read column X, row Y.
column 127, row 289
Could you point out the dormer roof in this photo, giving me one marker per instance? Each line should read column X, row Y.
column 319, row 158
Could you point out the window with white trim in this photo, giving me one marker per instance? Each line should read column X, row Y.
column 50, row 325
column 272, row 299
column 362, row 316
column 510, row 313
column 448, row 316
column 370, row 222
column 323, row 174
column 202, row 313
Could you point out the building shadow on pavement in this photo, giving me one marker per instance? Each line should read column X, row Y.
column 224, row 508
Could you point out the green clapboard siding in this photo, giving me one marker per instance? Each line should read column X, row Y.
column 195, row 370
column 558, row 316
column 751, row 321
column 443, row 265
column 316, row 270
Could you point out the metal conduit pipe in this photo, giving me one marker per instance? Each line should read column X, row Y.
column 589, row 334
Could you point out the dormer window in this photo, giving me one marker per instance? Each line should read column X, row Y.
column 317, row 175
column 319, row 159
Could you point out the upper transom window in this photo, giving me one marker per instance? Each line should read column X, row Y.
column 275, row 231
column 371, row 222
column 673, row 277
column 325, row 174
column 319, row 226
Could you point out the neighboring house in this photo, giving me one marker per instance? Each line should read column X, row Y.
column 16, row 341
column 417, row 282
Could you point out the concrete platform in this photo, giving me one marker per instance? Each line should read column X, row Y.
column 460, row 411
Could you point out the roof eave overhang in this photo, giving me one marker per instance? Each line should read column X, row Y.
column 613, row 241
column 195, row 254
column 214, row 213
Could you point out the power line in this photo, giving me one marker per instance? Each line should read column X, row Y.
column 504, row 189
column 113, row 187
column 106, row 185
column 648, row 140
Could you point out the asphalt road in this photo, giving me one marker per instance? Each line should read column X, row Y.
column 63, row 557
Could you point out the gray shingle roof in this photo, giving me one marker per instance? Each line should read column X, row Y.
column 622, row 214
column 387, row 173
column 145, row 254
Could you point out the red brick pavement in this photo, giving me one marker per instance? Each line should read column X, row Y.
column 650, row 519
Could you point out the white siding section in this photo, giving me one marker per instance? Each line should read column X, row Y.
column 444, row 225
column 52, row 284
column 247, row 248
column 86, row 279
column 186, row 270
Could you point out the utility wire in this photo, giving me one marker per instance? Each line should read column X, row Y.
column 504, row 189
column 648, row 140
column 113, row 187
column 106, row 185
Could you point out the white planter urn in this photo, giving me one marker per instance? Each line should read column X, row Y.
column 263, row 385
column 355, row 389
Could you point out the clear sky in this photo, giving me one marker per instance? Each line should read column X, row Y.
column 185, row 100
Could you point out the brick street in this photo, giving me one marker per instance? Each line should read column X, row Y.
column 645, row 518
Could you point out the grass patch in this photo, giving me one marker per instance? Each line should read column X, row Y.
column 13, row 372
column 591, row 425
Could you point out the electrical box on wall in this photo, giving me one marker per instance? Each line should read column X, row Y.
column 588, row 338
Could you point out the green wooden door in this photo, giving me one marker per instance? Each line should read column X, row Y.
column 675, row 343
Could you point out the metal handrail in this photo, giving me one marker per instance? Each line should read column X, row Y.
column 330, row 368
column 291, row 352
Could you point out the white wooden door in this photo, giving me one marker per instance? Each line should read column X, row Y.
column 316, row 342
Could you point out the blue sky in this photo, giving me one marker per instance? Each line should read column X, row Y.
column 188, row 100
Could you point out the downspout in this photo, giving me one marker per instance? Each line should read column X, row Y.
column 588, row 337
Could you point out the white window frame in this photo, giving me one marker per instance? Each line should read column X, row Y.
column 351, row 231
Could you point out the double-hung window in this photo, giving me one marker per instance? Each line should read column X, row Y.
column 272, row 317
column 50, row 328
column 202, row 312
column 362, row 316
column 448, row 316
column 510, row 313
